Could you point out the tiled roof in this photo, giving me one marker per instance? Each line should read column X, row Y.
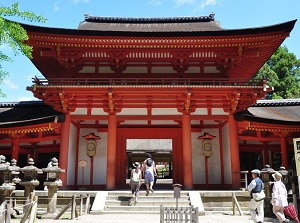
column 15, row 114
column 285, row 112
column 173, row 24
column 157, row 27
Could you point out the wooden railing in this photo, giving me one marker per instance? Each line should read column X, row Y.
column 148, row 81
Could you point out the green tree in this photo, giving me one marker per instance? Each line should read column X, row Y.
column 282, row 71
column 13, row 35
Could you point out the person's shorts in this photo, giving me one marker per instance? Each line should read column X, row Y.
column 149, row 177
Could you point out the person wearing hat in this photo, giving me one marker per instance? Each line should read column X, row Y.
column 256, row 208
column 135, row 182
column 279, row 197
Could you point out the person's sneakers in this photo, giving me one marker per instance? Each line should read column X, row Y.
column 131, row 202
column 259, row 222
column 151, row 190
column 147, row 192
column 286, row 220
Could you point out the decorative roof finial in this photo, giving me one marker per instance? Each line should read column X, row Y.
column 212, row 15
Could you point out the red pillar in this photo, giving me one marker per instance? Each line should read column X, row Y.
column 64, row 149
column 187, row 152
column 284, row 152
column 234, row 152
column 111, row 152
column 15, row 148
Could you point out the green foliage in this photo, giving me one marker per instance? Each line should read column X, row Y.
column 13, row 35
column 283, row 73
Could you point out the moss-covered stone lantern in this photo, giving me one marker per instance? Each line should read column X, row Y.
column 30, row 180
column 14, row 172
column 266, row 175
column 52, row 182
column 5, row 187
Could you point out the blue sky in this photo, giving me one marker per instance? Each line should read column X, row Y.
column 232, row 14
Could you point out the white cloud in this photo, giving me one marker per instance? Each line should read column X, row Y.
column 56, row 7
column 78, row 1
column 27, row 99
column 183, row 2
column 205, row 3
column 10, row 84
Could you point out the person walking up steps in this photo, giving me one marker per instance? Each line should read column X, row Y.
column 149, row 170
column 135, row 182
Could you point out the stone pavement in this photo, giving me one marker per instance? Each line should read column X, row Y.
column 152, row 218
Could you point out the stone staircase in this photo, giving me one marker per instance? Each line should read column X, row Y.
column 106, row 202
column 221, row 201
column 119, row 202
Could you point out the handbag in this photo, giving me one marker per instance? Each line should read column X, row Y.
column 259, row 196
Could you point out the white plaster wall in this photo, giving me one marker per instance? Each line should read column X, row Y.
column 100, row 162
column 226, row 153
column 198, row 160
column 99, row 167
column 218, row 111
column 200, row 111
column 214, row 168
column 71, row 155
column 163, row 122
column 165, row 111
column 133, row 111
column 80, row 111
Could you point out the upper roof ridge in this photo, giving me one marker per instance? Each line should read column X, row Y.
column 100, row 19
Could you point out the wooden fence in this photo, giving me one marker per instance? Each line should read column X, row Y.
column 178, row 215
column 10, row 207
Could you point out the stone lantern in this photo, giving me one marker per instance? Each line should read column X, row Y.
column 30, row 180
column 5, row 187
column 285, row 175
column 14, row 172
column 52, row 182
column 266, row 175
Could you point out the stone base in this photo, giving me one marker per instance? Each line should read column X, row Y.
column 48, row 215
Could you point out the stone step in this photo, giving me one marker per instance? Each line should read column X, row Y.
column 220, row 209
column 147, row 198
column 124, row 212
column 143, row 193
column 120, row 202
column 224, row 204
column 146, row 203
column 133, row 208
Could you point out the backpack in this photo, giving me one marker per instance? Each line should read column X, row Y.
column 149, row 162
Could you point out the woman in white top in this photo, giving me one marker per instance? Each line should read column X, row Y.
column 135, row 181
column 279, row 197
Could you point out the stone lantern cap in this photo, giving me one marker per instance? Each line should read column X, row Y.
column 3, row 164
column 14, row 172
column 283, row 171
column 54, row 168
column 13, row 167
column 267, row 169
column 31, row 168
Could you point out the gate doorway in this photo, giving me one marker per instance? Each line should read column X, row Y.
column 161, row 151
